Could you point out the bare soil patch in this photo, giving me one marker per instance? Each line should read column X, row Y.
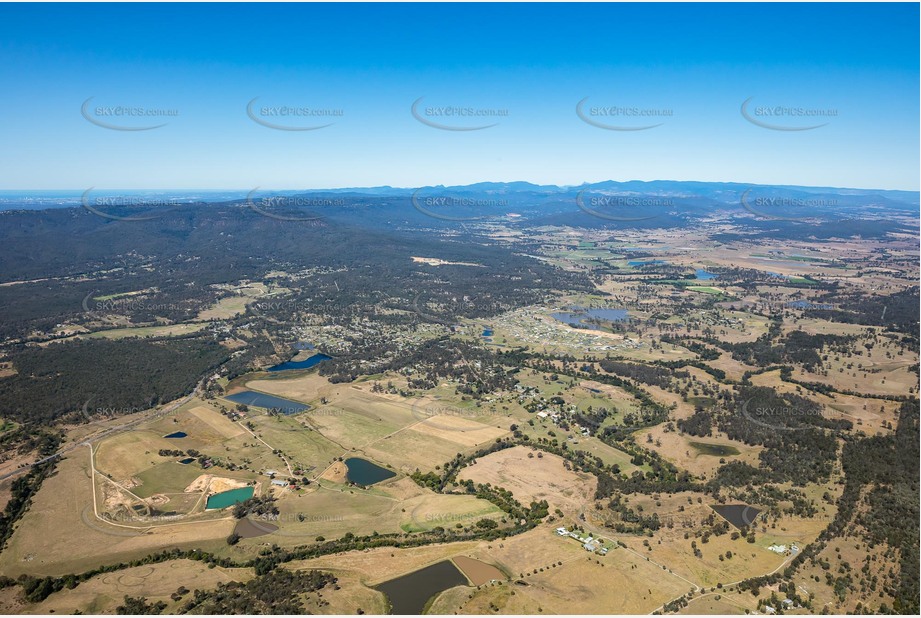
column 462, row 431
column 546, row 478
column 477, row 571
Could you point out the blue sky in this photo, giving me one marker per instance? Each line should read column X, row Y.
column 855, row 65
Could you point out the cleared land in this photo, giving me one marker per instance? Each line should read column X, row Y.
column 461, row 431
column 681, row 450
column 547, row 478
column 61, row 534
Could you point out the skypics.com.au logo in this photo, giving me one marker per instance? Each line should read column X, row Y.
column 129, row 118
column 455, row 419
column 614, row 117
column 457, row 209
column 790, row 118
column 621, row 207
column 779, row 418
column 123, row 304
column 93, row 410
column 288, row 208
column 772, row 208
column 456, row 117
column 118, row 207
column 291, row 117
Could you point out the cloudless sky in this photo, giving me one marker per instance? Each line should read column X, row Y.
column 536, row 61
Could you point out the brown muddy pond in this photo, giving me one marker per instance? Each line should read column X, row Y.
column 251, row 529
column 478, row 572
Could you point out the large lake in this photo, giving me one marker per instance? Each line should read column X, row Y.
column 805, row 304
column 307, row 363
column 580, row 317
column 269, row 402
column 410, row 593
column 363, row 472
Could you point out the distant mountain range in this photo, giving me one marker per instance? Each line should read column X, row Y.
column 639, row 187
column 820, row 212
column 725, row 192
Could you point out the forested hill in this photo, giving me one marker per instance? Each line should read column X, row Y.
column 67, row 256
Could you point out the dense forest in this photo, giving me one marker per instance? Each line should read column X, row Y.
column 96, row 273
column 277, row 592
column 800, row 444
column 880, row 507
column 104, row 377
column 647, row 374
column 477, row 369
column 897, row 312
column 176, row 257
column 887, row 468
column 797, row 347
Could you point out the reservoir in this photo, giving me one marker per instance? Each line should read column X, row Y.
column 704, row 275
column 410, row 593
column 363, row 472
column 645, row 263
column 739, row 515
column 176, row 434
column 580, row 317
column 717, row 450
column 229, row 498
column 269, row 402
column 487, row 332
column 307, row 363
column 805, row 304
column 249, row 529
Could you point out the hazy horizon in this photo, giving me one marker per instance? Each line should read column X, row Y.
column 543, row 183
